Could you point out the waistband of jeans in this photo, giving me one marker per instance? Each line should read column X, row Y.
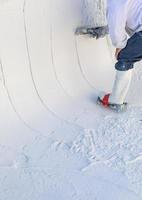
column 139, row 33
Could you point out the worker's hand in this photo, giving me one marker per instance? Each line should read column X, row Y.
column 117, row 52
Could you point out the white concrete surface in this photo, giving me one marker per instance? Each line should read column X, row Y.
column 49, row 82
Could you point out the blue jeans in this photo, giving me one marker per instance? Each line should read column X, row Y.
column 131, row 54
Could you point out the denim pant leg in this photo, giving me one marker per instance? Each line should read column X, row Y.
column 131, row 53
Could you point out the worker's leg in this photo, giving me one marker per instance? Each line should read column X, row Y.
column 121, row 86
column 124, row 67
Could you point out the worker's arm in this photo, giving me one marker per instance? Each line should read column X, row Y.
column 117, row 17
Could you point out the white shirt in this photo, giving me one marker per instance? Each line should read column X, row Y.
column 124, row 18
